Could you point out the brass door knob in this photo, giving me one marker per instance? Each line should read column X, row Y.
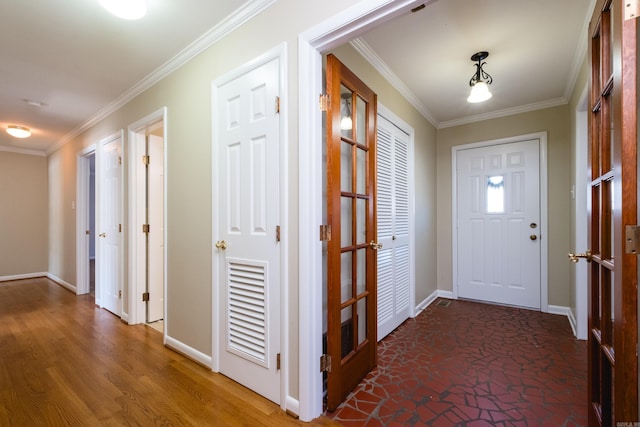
column 375, row 246
column 576, row 257
column 533, row 237
column 221, row 244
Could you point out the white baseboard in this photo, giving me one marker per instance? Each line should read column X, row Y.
column 62, row 283
column 187, row 351
column 22, row 276
column 431, row 298
column 292, row 406
column 565, row 311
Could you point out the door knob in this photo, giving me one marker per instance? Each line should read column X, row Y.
column 576, row 257
column 102, row 235
column 221, row 244
column 533, row 237
column 375, row 246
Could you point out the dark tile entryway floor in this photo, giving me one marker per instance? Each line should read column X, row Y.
column 472, row 364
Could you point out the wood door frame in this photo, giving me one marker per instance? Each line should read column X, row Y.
column 82, row 216
column 278, row 52
column 137, row 241
column 319, row 39
column 543, row 173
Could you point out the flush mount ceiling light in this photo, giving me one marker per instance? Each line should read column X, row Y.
column 480, row 80
column 126, row 9
column 18, row 131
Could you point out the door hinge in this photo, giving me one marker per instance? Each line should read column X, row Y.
column 277, row 105
column 120, row 228
column 631, row 9
column 119, row 160
column 145, row 228
column 278, row 361
column 325, row 363
column 325, row 102
column 325, row 233
column 277, row 233
column 146, row 160
column 632, row 239
column 120, row 294
column 145, row 297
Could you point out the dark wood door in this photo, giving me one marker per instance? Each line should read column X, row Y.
column 613, row 322
column 351, row 212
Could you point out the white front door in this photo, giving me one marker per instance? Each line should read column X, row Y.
column 155, row 219
column 109, row 257
column 247, row 251
column 498, row 223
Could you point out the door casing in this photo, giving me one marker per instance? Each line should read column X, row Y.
column 83, row 206
column 542, row 136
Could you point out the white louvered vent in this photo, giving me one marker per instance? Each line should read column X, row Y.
column 246, row 308
column 384, row 194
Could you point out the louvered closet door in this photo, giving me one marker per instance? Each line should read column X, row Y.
column 247, row 252
column 393, row 227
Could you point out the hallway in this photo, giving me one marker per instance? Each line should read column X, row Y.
column 470, row 364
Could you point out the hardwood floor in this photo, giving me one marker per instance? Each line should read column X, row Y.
column 64, row 361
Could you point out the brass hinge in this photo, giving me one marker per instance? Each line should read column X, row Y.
column 325, row 233
column 145, row 228
column 632, row 239
column 145, row 296
column 277, row 233
column 120, row 294
column 277, row 105
column 146, row 160
column 278, row 361
column 631, row 9
column 120, row 228
column 325, row 102
column 325, row 363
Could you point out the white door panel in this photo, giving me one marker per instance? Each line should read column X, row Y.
column 498, row 214
column 248, row 267
column 109, row 259
column 394, row 278
column 155, row 212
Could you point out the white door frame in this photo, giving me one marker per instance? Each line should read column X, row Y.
column 581, row 195
column 137, row 211
column 544, row 247
column 323, row 37
column 280, row 52
column 82, row 218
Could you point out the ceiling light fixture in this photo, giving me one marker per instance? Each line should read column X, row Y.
column 126, row 9
column 18, row 131
column 480, row 80
column 346, row 123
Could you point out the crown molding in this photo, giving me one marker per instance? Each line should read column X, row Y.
column 216, row 33
column 24, row 151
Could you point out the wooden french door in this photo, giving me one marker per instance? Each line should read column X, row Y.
column 613, row 334
column 351, row 212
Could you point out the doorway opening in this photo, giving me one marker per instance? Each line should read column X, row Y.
column 147, row 194
column 86, row 222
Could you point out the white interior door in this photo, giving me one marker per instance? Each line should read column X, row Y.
column 109, row 260
column 498, row 220
column 155, row 242
column 247, row 253
column 394, row 273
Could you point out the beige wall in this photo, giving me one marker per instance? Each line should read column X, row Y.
column 424, row 163
column 23, row 214
column 556, row 122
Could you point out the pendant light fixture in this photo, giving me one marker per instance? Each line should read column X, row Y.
column 346, row 123
column 480, row 80
column 126, row 9
column 18, row 131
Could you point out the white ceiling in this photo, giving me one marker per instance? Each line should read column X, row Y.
column 77, row 59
